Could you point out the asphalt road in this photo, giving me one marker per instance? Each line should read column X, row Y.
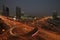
column 29, row 32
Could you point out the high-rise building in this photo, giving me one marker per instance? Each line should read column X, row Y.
column 5, row 11
column 55, row 14
column 18, row 13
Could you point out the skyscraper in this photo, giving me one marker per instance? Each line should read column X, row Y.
column 5, row 11
column 18, row 13
column 54, row 14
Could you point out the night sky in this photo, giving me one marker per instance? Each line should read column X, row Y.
column 33, row 7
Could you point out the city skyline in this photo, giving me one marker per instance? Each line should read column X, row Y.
column 33, row 7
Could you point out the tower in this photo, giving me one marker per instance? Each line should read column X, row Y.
column 54, row 14
column 5, row 11
column 18, row 13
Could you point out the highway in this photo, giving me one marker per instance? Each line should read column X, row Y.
column 45, row 33
column 21, row 31
column 17, row 28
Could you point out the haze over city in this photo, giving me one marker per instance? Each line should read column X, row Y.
column 29, row 19
column 32, row 7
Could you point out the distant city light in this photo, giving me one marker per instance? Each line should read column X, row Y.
column 35, row 18
column 14, row 18
column 3, row 30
